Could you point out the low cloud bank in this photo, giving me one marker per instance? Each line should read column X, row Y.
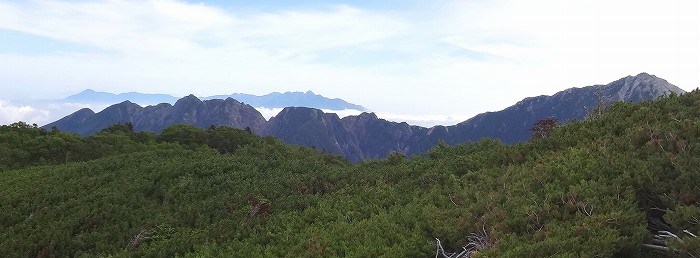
column 424, row 120
column 39, row 113
column 10, row 113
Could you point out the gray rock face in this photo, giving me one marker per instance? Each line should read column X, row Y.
column 639, row 88
column 313, row 128
column 366, row 136
column 377, row 137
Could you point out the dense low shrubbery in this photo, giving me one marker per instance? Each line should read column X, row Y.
column 607, row 186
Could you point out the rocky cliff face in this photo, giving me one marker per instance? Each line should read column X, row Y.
column 313, row 128
column 376, row 137
column 366, row 136
column 639, row 88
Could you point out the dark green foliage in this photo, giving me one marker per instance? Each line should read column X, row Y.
column 227, row 139
column 184, row 134
column 585, row 190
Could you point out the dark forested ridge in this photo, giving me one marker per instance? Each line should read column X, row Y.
column 366, row 136
column 623, row 183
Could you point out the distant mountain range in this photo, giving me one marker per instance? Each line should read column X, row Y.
column 272, row 100
column 367, row 136
column 95, row 97
column 291, row 99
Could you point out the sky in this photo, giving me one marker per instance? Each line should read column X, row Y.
column 439, row 61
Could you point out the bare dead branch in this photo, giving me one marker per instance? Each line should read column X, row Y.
column 688, row 232
column 657, row 247
column 136, row 241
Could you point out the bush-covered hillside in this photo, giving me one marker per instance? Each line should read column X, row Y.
column 623, row 184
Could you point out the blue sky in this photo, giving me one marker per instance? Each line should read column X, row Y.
column 435, row 61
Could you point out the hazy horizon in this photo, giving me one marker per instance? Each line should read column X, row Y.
column 411, row 60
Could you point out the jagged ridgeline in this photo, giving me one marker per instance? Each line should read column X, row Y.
column 367, row 136
column 621, row 184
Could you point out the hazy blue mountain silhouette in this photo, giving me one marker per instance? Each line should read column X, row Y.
column 91, row 96
column 292, row 99
column 272, row 100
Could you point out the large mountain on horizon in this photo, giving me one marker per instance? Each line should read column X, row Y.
column 367, row 136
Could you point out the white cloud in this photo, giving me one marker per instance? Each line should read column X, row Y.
column 268, row 113
column 10, row 113
column 40, row 112
column 424, row 120
column 160, row 26
column 179, row 48
column 172, row 27
column 343, row 113
column 315, row 30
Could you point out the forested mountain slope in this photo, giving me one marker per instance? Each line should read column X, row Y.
column 603, row 187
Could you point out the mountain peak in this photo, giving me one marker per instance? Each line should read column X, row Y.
column 190, row 97
column 647, row 77
column 640, row 87
column 369, row 115
column 644, row 74
column 187, row 102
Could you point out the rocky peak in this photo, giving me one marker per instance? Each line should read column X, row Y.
column 361, row 120
column 369, row 116
column 188, row 101
column 640, row 87
column 84, row 112
column 125, row 105
column 298, row 112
